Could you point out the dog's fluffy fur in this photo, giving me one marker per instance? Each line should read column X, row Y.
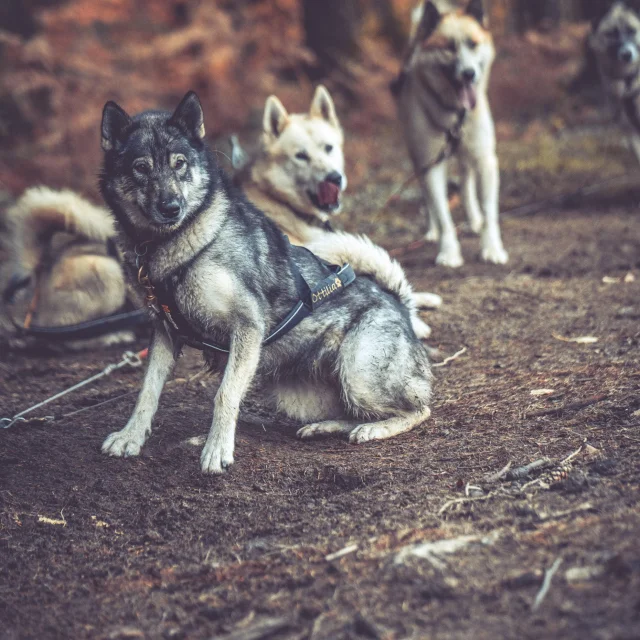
column 615, row 40
column 56, row 244
column 445, row 74
column 282, row 185
column 354, row 366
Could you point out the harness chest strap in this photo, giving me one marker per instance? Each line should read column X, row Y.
column 161, row 301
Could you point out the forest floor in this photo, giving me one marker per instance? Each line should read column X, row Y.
column 415, row 537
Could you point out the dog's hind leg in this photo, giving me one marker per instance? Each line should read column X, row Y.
column 470, row 199
column 129, row 440
column 326, row 428
column 384, row 373
column 489, row 185
column 433, row 228
column 244, row 356
column 388, row 428
column 434, row 187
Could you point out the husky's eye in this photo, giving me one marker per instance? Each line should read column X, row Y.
column 451, row 46
column 180, row 163
column 303, row 155
column 141, row 167
column 630, row 32
column 472, row 44
column 328, row 148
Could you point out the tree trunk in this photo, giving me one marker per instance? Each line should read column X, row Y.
column 332, row 29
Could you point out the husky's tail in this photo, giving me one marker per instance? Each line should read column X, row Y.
column 367, row 259
column 40, row 212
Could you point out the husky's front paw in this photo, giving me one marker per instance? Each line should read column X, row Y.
column 451, row 258
column 368, row 432
column 494, row 253
column 217, row 455
column 122, row 444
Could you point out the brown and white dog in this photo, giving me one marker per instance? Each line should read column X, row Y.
column 442, row 89
column 59, row 269
column 298, row 178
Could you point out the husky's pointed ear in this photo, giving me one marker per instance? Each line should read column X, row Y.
column 114, row 122
column 431, row 17
column 275, row 117
column 189, row 116
column 475, row 9
column 602, row 11
column 322, row 106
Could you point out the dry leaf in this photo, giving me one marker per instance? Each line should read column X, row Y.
column 99, row 523
column 578, row 340
column 542, row 392
column 629, row 278
column 45, row 520
column 591, row 451
column 610, row 280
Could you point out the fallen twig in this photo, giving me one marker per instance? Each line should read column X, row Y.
column 455, row 356
column 343, row 552
column 447, row 505
column 587, row 506
column 578, row 340
column 494, row 477
column 523, row 472
column 546, row 583
column 572, row 406
column 259, row 631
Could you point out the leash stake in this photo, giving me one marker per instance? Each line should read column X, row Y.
column 129, row 359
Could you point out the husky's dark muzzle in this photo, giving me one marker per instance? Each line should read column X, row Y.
column 624, row 53
column 168, row 210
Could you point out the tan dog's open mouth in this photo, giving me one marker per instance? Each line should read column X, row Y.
column 327, row 196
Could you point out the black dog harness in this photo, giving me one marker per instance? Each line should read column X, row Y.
column 161, row 301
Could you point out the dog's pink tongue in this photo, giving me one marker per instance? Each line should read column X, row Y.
column 328, row 194
column 467, row 97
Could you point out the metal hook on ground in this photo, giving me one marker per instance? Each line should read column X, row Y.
column 129, row 359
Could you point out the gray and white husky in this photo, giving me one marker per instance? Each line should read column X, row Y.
column 442, row 87
column 615, row 40
column 353, row 366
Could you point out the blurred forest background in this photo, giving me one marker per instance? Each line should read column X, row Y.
column 61, row 60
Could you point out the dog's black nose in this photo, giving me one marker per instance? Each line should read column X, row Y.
column 170, row 209
column 625, row 55
column 335, row 178
column 469, row 75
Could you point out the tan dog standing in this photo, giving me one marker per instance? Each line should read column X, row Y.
column 443, row 105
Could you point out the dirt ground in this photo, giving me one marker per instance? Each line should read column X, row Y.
column 94, row 547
